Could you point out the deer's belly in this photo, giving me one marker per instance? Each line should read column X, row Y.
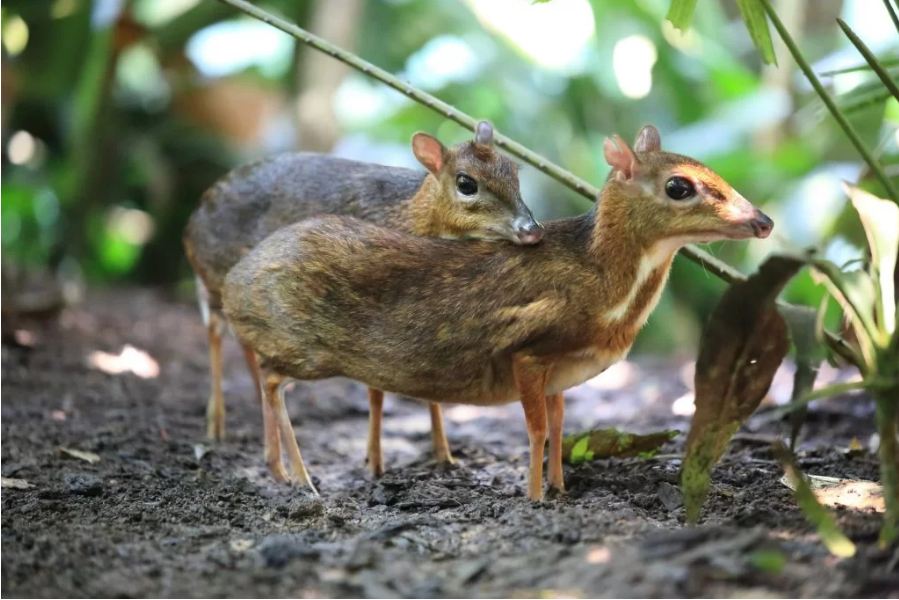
column 576, row 368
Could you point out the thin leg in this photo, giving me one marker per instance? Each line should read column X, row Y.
column 275, row 396
column 530, row 378
column 555, row 411
column 215, row 410
column 269, row 422
column 374, row 458
column 253, row 366
column 438, row 436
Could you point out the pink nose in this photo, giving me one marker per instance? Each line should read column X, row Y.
column 762, row 225
column 529, row 233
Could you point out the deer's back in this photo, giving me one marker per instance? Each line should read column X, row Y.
column 428, row 318
column 254, row 200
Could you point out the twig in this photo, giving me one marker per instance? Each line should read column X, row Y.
column 721, row 269
column 829, row 102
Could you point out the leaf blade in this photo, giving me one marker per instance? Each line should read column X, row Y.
column 757, row 24
column 681, row 13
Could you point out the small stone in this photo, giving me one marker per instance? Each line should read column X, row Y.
column 670, row 496
column 278, row 550
column 83, row 484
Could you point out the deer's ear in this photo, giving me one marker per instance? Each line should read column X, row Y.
column 621, row 158
column 648, row 140
column 429, row 151
column 483, row 133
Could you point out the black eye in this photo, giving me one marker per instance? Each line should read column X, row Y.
column 466, row 185
column 679, row 188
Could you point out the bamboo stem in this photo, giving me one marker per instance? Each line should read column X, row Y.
column 829, row 102
column 870, row 58
column 892, row 12
column 718, row 268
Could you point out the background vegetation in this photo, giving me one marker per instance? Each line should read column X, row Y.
column 118, row 114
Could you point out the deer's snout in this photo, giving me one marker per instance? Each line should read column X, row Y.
column 528, row 231
column 761, row 225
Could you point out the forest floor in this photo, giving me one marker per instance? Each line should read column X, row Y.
column 164, row 513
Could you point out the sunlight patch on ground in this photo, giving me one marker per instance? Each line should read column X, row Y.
column 129, row 360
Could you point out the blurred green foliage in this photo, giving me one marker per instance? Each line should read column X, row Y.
column 113, row 127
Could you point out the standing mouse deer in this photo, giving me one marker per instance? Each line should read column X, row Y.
column 469, row 191
column 481, row 323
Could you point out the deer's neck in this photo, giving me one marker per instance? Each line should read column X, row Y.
column 634, row 265
column 424, row 210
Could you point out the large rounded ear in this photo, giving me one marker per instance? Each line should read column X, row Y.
column 483, row 133
column 621, row 158
column 429, row 151
column 648, row 140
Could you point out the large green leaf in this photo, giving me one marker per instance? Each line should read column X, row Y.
column 757, row 24
column 681, row 13
column 880, row 219
column 803, row 322
column 854, row 290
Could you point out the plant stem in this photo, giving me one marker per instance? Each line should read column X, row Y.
column 887, row 414
column 829, row 102
column 718, row 268
column 870, row 58
column 892, row 12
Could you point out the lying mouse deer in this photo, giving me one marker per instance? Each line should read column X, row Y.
column 469, row 191
column 481, row 323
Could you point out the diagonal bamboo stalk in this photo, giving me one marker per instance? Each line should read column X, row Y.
column 829, row 102
column 697, row 255
column 871, row 59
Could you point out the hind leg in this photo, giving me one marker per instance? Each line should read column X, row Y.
column 215, row 409
column 374, row 458
column 442, row 452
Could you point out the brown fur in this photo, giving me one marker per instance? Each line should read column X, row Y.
column 253, row 201
column 454, row 322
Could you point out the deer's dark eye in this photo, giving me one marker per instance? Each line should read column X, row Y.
column 679, row 188
column 466, row 185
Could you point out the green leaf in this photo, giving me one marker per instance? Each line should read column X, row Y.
column 742, row 345
column 854, row 290
column 833, row 538
column 889, row 62
column 880, row 218
column 606, row 443
column 757, row 23
column 681, row 13
column 803, row 322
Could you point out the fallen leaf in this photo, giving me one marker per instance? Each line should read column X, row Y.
column 606, row 443
column 853, row 493
column 806, row 498
column 241, row 545
column 742, row 346
column 200, row 450
column 80, row 454
column 18, row 484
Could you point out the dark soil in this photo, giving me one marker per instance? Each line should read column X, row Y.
column 163, row 513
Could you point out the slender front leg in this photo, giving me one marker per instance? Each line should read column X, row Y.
column 215, row 410
column 298, row 473
column 438, row 436
column 530, row 378
column 555, row 411
column 374, row 458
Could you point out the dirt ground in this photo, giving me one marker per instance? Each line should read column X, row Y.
column 163, row 513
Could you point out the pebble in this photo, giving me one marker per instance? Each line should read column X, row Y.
column 83, row 484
